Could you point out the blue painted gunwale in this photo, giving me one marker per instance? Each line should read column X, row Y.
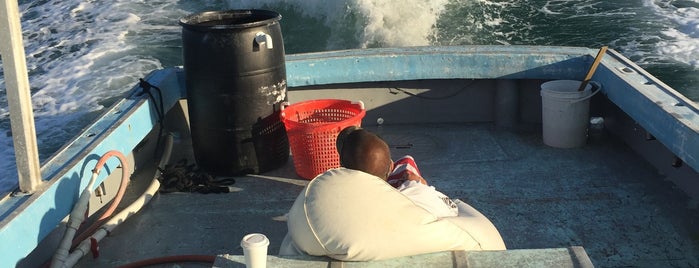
column 663, row 112
column 26, row 220
column 459, row 62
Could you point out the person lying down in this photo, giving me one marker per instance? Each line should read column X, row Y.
column 354, row 213
column 404, row 174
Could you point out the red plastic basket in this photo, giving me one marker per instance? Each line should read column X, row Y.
column 312, row 127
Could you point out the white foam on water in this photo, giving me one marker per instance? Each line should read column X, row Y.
column 404, row 23
column 465, row 19
column 80, row 46
column 633, row 29
column 79, row 54
column 379, row 23
column 681, row 40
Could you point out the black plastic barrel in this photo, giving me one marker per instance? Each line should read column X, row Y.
column 236, row 81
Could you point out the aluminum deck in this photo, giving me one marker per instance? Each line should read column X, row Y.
column 602, row 197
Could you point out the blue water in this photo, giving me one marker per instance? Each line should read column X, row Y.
column 82, row 55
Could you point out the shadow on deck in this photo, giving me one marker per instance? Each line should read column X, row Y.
column 602, row 197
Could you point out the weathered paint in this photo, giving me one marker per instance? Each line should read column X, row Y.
column 121, row 128
column 27, row 220
column 522, row 258
column 395, row 64
column 670, row 117
column 659, row 109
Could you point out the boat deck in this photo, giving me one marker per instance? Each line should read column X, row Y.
column 602, row 197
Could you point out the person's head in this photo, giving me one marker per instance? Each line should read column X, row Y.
column 362, row 150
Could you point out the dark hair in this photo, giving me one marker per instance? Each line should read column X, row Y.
column 342, row 140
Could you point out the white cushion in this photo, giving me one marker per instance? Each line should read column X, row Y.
column 351, row 215
column 478, row 226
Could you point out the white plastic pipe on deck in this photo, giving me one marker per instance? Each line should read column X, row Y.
column 77, row 216
column 84, row 247
column 18, row 97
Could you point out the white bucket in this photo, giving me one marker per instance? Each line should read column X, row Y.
column 565, row 113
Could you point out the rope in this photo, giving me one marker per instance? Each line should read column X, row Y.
column 183, row 177
column 159, row 109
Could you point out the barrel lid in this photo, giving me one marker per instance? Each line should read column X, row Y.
column 229, row 19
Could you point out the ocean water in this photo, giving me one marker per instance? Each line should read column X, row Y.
column 82, row 55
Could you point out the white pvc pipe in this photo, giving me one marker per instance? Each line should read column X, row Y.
column 77, row 216
column 84, row 247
